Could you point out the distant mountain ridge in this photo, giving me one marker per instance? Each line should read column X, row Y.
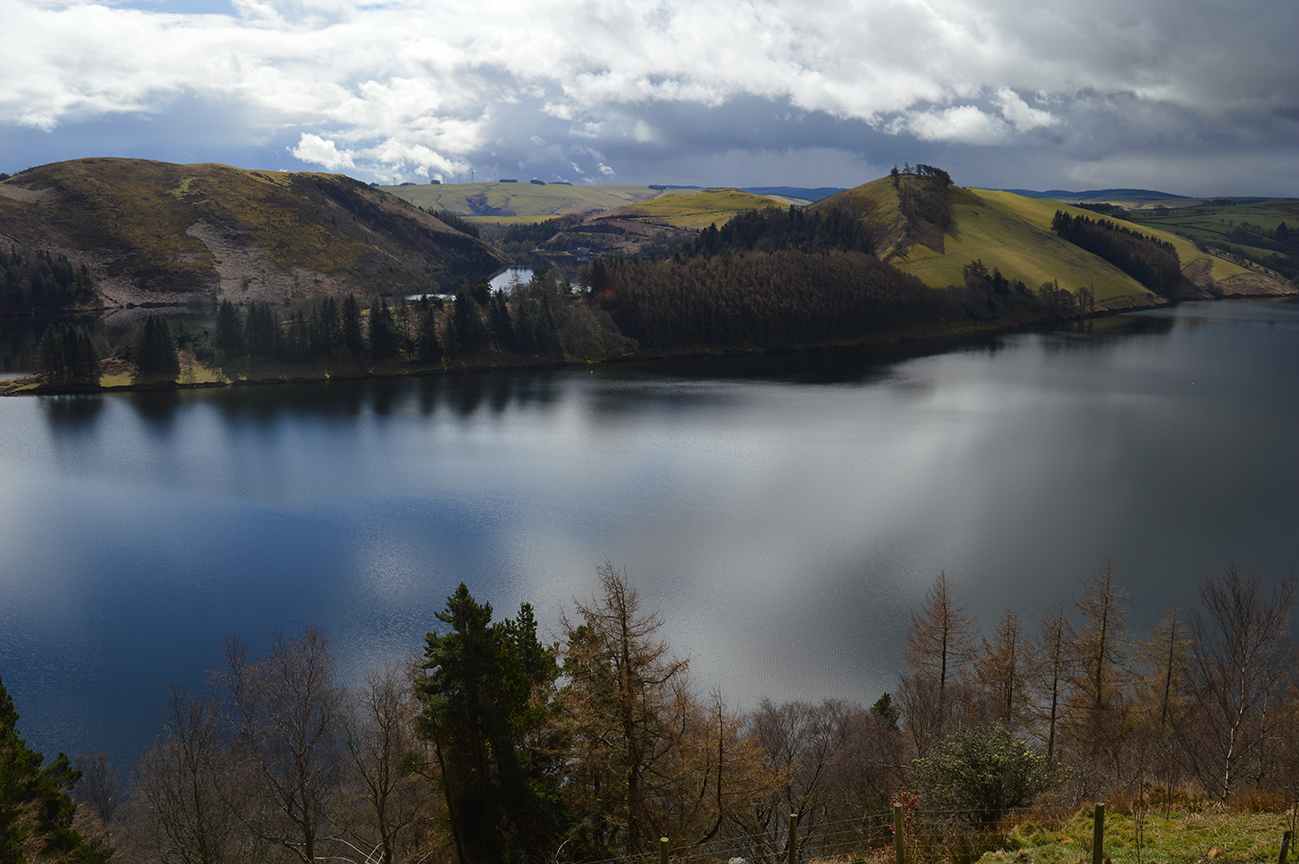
column 813, row 194
column 1095, row 193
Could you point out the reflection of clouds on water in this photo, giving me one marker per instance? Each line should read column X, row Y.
column 786, row 525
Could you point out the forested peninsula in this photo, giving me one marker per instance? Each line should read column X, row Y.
column 314, row 276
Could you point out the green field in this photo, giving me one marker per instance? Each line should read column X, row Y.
column 689, row 209
column 520, row 202
column 1213, row 224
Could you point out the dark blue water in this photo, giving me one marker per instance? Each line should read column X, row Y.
column 784, row 513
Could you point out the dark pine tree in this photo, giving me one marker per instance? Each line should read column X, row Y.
column 383, row 334
column 155, row 348
column 36, row 809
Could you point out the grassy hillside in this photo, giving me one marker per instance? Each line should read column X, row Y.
column 157, row 232
column 697, row 209
column 1039, row 213
column 1012, row 233
column 519, row 201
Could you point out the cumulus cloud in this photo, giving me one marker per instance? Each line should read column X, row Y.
column 427, row 88
column 965, row 124
column 1018, row 113
column 318, row 151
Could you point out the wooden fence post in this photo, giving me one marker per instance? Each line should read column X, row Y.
column 1285, row 846
column 899, row 833
column 1098, row 835
column 793, row 838
column 663, row 850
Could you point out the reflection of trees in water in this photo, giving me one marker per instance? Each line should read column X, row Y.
column 463, row 394
column 72, row 413
column 157, row 408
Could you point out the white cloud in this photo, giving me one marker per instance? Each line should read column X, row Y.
column 319, row 151
column 1018, row 113
column 382, row 81
column 965, row 124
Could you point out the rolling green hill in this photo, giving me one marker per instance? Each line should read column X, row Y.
column 1012, row 233
column 697, row 209
column 153, row 232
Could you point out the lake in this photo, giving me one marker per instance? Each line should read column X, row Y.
column 785, row 514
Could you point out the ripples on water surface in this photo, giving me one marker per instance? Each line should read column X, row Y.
column 784, row 513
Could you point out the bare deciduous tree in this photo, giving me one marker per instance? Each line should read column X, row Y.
column 640, row 739
column 186, row 789
column 380, row 740
column 938, row 650
column 999, row 671
column 1099, row 703
column 286, row 714
column 1240, row 667
column 1050, row 670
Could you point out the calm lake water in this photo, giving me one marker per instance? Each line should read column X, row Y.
column 785, row 514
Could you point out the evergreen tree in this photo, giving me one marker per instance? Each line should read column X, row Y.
column 264, row 337
column 502, row 325
column 383, row 335
column 471, row 333
column 68, row 356
column 229, row 331
column 36, row 809
column 428, row 349
column 353, row 338
column 480, row 713
column 155, row 348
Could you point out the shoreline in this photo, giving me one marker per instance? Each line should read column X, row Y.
column 28, row 386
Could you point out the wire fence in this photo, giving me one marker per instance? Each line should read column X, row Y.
column 966, row 836
column 937, row 836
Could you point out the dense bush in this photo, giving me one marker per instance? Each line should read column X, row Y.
column 982, row 772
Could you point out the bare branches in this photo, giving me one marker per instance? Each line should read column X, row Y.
column 1240, row 667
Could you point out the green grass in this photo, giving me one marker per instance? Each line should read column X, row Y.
column 1208, row 834
column 1040, row 211
column 511, row 201
column 1013, row 233
column 1214, row 223
column 699, row 209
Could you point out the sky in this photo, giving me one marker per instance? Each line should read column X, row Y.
column 1193, row 97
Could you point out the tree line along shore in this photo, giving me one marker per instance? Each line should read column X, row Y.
column 767, row 280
